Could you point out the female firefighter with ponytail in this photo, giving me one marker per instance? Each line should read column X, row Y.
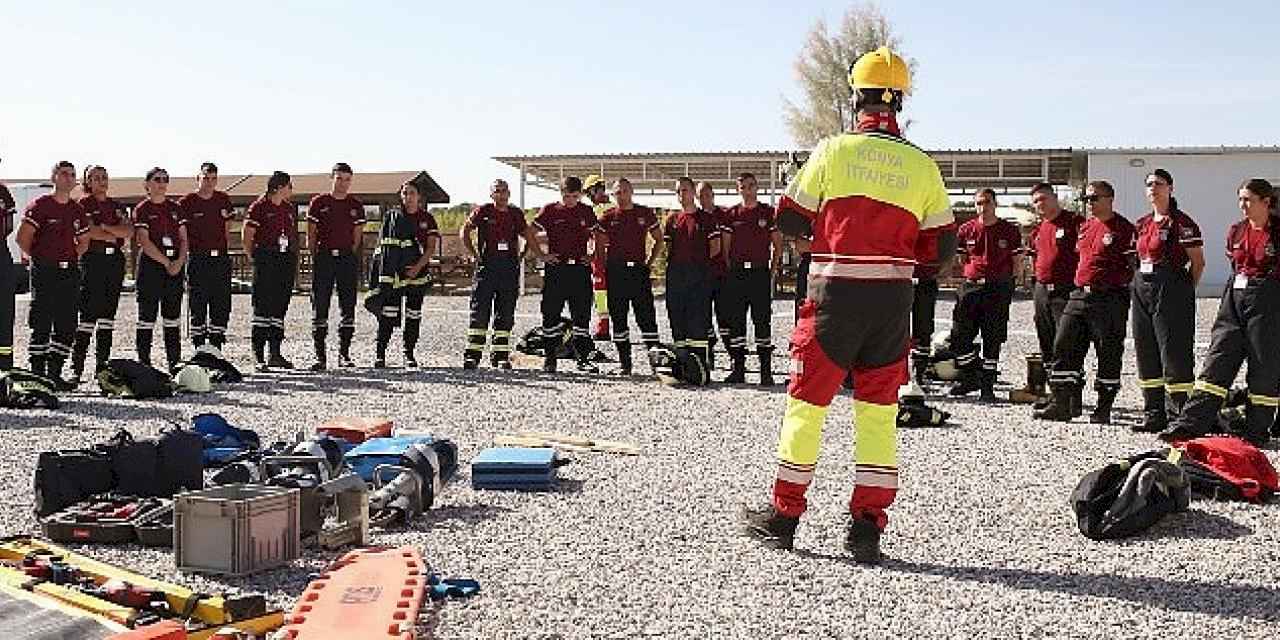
column 866, row 197
column 101, row 268
column 271, row 235
column 1245, row 329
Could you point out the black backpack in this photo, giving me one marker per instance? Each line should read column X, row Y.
column 156, row 467
column 133, row 379
column 1128, row 496
column 21, row 389
column 220, row 371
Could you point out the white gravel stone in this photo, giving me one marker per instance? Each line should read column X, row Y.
column 981, row 540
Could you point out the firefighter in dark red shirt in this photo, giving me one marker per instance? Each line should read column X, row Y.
column 498, row 228
column 988, row 247
column 205, row 213
column 1052, row 247
column 270, row 234
column 754, row 252
column 335, row 228
column 8, row 279
column 1246, row 327
column 567, row 275
column 1097, row 310
column 55, row 233
column 162, row 239
column 717, row 316
column 692, row 239
column 1170, row 261
column 621, row 236
column 101, row 269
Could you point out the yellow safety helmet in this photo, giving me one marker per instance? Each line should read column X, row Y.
column 591, row 181
column 881, row 69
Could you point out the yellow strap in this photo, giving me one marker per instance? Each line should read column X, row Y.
column 1153, row 383
column 1208, row 387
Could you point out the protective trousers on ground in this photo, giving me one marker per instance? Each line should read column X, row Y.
column 567, row 284
column 52, row 316
column 981, row 309
column 493, row 295
column 330, row 271
column 8, row 285
column 209, row 298
column 829, row 342
column 748, row 291
column 1164, row 312
column 1097, row 317
column 630, row 288
column 102, row 276
column 159, row 291
column 688, row 307
column 273, row 278
column 1246, row 331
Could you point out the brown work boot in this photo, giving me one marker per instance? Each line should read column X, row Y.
column 769, row 527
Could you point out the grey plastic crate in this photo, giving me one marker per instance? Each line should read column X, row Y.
column 236, row 529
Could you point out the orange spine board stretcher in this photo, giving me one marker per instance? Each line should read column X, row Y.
column 368, row 594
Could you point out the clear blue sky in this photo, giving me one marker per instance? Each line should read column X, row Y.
column 444, row 86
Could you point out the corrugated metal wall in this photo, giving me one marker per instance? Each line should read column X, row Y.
column 1205, row 185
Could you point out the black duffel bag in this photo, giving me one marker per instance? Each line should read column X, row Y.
column 157, row 467
column 64, row 478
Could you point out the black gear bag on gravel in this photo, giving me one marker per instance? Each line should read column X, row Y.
column 64, row 478
column 20, row 389
column 133, row 379
column 1128, row 496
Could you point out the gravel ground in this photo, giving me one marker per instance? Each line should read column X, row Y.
column 981, row 542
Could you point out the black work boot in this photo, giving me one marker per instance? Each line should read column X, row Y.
column 1059, row 407
column 970, row 381
column 551, row 355
column 410, row 361
column 737, row 369
column 987, row 385
column 1077, row 401
column 79, row 352
column 920, row 369
column 1155, row 418
column 259, row 353
column 53, row 371
column 624, row 359
column 765, row 354
column 38, row 365
column 1199, row 417
column 277, row 360
column 143, row 344
column 1173, row 405
column 1257, row 425
column 321, row 362
column 500, row 360
column 863, row 541
column 769, row 527
column 1037, row 379
column 344, row 349
column 1102, row 411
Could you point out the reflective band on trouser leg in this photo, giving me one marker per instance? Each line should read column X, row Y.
column 1178, row 387
column 475, row 341
column 602, row 302
column 875, row 455
column 1157, row 383
column 501, row 342
column 1210, row 388
column 798, row 445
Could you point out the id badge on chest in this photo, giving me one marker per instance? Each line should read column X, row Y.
column 1147, row 266
column 166, row 242
column 502, row 246
column 1241, row 281
column 283, row 241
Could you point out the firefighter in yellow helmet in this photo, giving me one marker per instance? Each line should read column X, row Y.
column 866, row 197
column 595, row 191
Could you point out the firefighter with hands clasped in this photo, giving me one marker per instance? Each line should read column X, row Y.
column 270, row 234
column 205, row 214
column 102, row 270
column 335, row 228
column 754, row 253
column 717, row 316
column 988, row 247
column 621, row 237
column 1052, row 247
column 1097, row 311
column 498, row 227
column 55, row 233
column 1170, row 261
column 692, row 238
column 162, row 239
column 567, row 224
column 866, row 196
column 1247, row 329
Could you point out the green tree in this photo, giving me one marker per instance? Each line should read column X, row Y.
column 822, row 69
